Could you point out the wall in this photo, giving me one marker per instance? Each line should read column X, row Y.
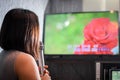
column 98, row 5
column 38, row 6
column 88, row 5
column 112, row 4
column 62, row 6
column 101, row 5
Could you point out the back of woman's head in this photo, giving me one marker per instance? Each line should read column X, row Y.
column 20, row 31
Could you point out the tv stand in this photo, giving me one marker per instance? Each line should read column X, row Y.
column 79, row 67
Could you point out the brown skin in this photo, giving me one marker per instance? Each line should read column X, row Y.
column 27, row 69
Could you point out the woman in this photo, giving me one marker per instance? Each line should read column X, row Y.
column 19, row 39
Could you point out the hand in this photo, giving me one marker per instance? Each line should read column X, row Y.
column 46, row 71
column 45, row 77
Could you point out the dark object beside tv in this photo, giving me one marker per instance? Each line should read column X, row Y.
column 114, row 74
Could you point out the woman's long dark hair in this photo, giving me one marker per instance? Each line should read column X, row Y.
column 20, row 31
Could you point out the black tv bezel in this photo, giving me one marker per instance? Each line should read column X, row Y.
column 71, row 55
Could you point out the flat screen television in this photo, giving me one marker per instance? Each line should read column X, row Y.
column 81, row 33
column 114, row 74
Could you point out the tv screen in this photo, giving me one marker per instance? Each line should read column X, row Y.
column 81, row 33
column 115, row 74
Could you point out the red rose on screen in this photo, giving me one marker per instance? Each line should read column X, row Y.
column 100, row 32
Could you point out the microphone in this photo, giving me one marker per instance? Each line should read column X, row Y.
column 41, row 61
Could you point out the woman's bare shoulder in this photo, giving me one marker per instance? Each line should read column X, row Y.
column 24, row 56
column 26, row 67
